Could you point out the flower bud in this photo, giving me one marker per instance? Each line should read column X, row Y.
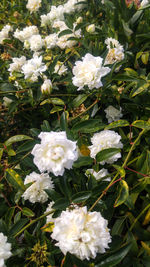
column 26, row 44
column 46, row 87
column 90, row 28
column 79, row 20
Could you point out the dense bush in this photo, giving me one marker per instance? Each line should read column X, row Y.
column 75, row 159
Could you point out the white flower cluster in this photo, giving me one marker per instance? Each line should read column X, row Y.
column 103, row 140
column 35, row 192
column 4, row 33
column 113, row 114
column 115, row 51
column 55, row 153
column 17, row 64
column 99, row 175
column 5, row 249
column 89, row 72
column 57, row 13
column 33, row 68
column 31, row 38
column 81, row 233
column 26, row 33
column 33, row 5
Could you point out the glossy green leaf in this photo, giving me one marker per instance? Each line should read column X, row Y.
column 55, row 109
column 106, row 154
column 82, row 161
column 114, row 258
column 61, row 204
column 14, row 179
column 65, row 32
column 27, row 212
column 81, row 196
column 79, row 100
column 123, row 194
column 64, row 121
column 88, row 126
column 17, row 138
column 141, row 89
column 54, row 101
column 119, row 123
column 141, row 124
column 18, row 226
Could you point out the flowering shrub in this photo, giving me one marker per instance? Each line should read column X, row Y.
column 75, row 121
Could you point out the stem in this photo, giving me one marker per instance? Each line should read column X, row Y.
column 132, row 147
column 71, row 119
column 137, row 218
column 123, row 166
column 33, row 221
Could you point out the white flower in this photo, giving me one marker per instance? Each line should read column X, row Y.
column 17, row 64
column 56, row 13
column 5, row 248
column 98, row 175
column 49, row 217
column 60, row 68
column 115, row 51
column 35, row 42
column 33, row 5
column 63, row 41
column 4, row 33
column 103, row 140
column 46, row 87
column 35, row 192
column 90, row 28
column 113, row 114
column 70, row 6
column 144, row 3
column 33, row 68
column 55, row 153
column 7, row 101
column 89, row 72
column 51, row 40
column 26, row 33
column 81, row 233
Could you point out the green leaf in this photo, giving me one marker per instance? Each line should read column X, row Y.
column 141, row 124
column 65, row 32
column 54, row 101
column 82, row 161
column 123, row 194
column 120, row 169
column 114, row 258
column 61, row 204
column 81, row 196
column 18, row 226
column 63, row 121
column 126, row 28
column 79, row 100
column 88, row 126
column 72, row 261
column 17, row 138
column 9, row 215
column 119, row 123
column 27, row 146
column 107, row 153
column 45, row 126
column 55, row 109
column 52, row 194
column 14, row 179
column 1, row 152
column 11, row 152
column 27, row 212
column 141, row 89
